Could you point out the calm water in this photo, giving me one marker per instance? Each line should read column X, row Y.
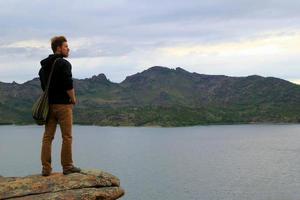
column 234, row 162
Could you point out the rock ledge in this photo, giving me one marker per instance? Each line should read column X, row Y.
column 89, row 184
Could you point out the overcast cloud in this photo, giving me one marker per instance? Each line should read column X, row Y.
column 123, row 37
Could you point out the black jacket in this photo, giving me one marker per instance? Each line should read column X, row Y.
column 61, row 80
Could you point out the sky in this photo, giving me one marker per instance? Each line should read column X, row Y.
column 122, row 37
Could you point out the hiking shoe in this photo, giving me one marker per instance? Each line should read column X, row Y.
column 72, row 170
column 46, row 173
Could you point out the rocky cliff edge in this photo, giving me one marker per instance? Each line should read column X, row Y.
column 89, row 184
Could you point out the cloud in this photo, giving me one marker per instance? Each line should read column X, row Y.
column 122, row 37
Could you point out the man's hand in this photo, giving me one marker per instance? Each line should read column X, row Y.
column 72, row 96
column 73, row 101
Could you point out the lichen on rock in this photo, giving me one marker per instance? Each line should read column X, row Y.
column 88, row 184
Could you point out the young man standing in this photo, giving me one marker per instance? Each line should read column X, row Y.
column 61, row 100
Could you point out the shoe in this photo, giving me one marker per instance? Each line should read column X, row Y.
column 46, row 173
column 72, row 170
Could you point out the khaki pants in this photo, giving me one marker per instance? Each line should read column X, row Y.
column 61, row 114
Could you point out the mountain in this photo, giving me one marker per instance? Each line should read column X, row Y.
column 165, row 97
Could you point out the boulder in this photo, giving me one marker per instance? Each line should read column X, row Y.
column 88, row 184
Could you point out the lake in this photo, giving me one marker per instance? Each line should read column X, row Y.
column 231, row 162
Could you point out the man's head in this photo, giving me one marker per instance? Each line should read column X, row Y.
column 59, row 45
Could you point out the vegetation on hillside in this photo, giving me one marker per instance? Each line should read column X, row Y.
column 160, row 96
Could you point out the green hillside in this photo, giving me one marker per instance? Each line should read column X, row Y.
column 165, row 97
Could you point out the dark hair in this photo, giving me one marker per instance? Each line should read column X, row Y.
column 57, row 41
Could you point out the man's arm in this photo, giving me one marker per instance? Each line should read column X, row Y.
column 41, row 75
column 68, row 81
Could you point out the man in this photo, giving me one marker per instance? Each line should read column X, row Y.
column 61, row 99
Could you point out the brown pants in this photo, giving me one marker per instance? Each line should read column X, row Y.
column 61, row 114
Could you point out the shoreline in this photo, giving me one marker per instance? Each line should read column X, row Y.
column 158, row 126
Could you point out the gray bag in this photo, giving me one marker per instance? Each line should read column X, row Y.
column 40, row 108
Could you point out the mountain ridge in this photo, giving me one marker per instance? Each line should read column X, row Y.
column 167, row 97
column 155, row 67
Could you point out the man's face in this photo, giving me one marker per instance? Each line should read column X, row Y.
column 64, row 49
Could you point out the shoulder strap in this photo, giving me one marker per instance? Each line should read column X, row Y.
column 50, row 75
